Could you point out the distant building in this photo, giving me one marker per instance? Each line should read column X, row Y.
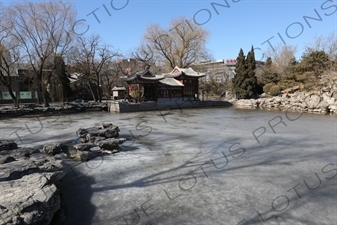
column 118, row 92
column 220, row 70
column 80, row 87
column 22, row 84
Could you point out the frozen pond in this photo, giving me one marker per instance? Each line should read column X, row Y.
column 198, row 166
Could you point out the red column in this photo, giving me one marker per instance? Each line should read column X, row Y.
column 138, row 92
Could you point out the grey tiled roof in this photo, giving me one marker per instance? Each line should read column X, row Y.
column 118, row 88
column 186, row 71
column 146, row 75
column 171, row 82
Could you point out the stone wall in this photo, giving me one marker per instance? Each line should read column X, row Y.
column 324, row 102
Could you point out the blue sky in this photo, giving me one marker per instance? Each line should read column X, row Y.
column 243, row 24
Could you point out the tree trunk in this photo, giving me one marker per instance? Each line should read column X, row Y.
column 14, row 98
column 38, row 97
column 45, row 98
column 39, row 88
column 99, row 95
column 92, row 92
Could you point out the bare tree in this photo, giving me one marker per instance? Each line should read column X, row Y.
column 181, row 45
column 9, row 56
column 143, row 59
column 92, row 59
column 327, row 43
column 282, row 57
column 44, row 30
column 111, row 74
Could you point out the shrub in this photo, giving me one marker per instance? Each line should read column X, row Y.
column 274, row 90
column 267, row 87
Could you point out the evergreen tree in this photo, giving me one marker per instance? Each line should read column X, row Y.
column 315, row 62
column 293, row 77
column 59, row 86
column 245, row 82
column 251, row 83
column 238, row 79
column 269, row 74
column 307, row 71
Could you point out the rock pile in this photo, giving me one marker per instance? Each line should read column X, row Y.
column 104, row 138
column 28, row 194
column 323, row 102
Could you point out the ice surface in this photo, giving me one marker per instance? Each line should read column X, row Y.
column 198, row 166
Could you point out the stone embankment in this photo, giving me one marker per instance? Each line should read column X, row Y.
column 29, row 176
column 28, row 194
column 35, row 109
column 322, row 102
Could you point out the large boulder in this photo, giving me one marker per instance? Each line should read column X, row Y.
column 6, row 159
column 94, row 134
column 112, row 133
column 333, row 108
column 246, row 103
column 111, row 145
column 83, row 155
column 7, row 145
column 83, row 146
column 7, row 156
column 38, row 162
column 33, row 199
column 28, row 194
column 106, row 125
column 53, row 149
column 22, row 153
column 312, row 101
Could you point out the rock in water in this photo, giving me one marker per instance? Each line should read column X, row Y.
column 53, row 149
column 111, row 145
column 6, row 159
column 7, row 145
column 83, row 147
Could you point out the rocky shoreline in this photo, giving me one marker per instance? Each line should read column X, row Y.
column 67, row 108
column 322, row 103
column 29, row 177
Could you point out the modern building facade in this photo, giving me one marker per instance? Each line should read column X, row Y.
column 220, row 71
column 22, row 85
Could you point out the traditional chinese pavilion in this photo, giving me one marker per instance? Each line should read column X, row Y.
column 180, row 83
